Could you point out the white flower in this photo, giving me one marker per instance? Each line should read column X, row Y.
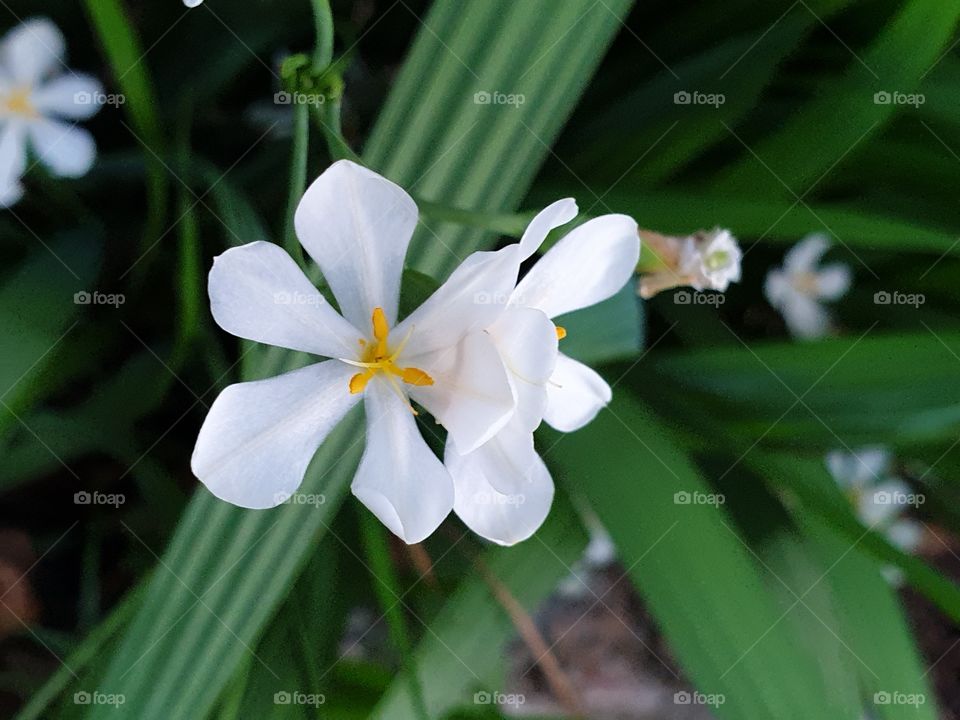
column 798, row 288
column 587, row 266
column 259, row 437
column 192, row 3
column 711, row 261
column 40, row 105
column 705, row 260
column 877, row 495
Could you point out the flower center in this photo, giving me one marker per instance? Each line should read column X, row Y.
column 376, row 357
column 717, row 260
column 806, row 283
column 17, row 102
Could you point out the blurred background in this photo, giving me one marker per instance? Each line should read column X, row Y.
column 717, row 546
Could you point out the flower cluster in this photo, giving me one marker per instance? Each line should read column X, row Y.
column 488, row 372
column 41, row 102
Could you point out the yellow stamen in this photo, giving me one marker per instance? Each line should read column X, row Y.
column 376, row 357
column 561, row 332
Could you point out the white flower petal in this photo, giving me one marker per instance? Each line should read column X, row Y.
column 357, row 225
column 776, row 288
column 399, row 479
column 805, row 255
column 72, row 96
column 589, row 265
column 575, row 394
column 192, row 3
column 833, row 281
column 553, row 216
column 906, row 535
column 471, row 394
column 32, row 50
column 860, row 469
column 805, row 317
column 474, row 295
column 259, row 437
column 13, row 162
column 503, row 490
column 527, row 342
column 68, row 150
column 259, row 293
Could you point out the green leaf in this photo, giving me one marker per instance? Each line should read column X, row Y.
column 461, row 652
column 701, row 583
column 874, row 627
column 39, row 305
column 608, row 331
column 812, row 139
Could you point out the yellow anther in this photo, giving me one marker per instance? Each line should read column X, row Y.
column 378, row 358
column 415, row 376
column 561, row 332
column 359, row 381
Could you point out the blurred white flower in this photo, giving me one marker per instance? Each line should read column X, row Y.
column 705, row 260
column 587, row 266
column 879, row 498
column 192, row 3
column 711, row 260
column 41, row 101
column 259, row 437
column 798, row 289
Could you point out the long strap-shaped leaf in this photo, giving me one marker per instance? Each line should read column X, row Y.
column 180, row 651
column 681, row 551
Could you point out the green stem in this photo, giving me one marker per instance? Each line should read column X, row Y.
column 387, row 588
column 323, row 22
column 298, row 176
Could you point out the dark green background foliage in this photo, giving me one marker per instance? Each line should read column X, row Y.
column 191, row 608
